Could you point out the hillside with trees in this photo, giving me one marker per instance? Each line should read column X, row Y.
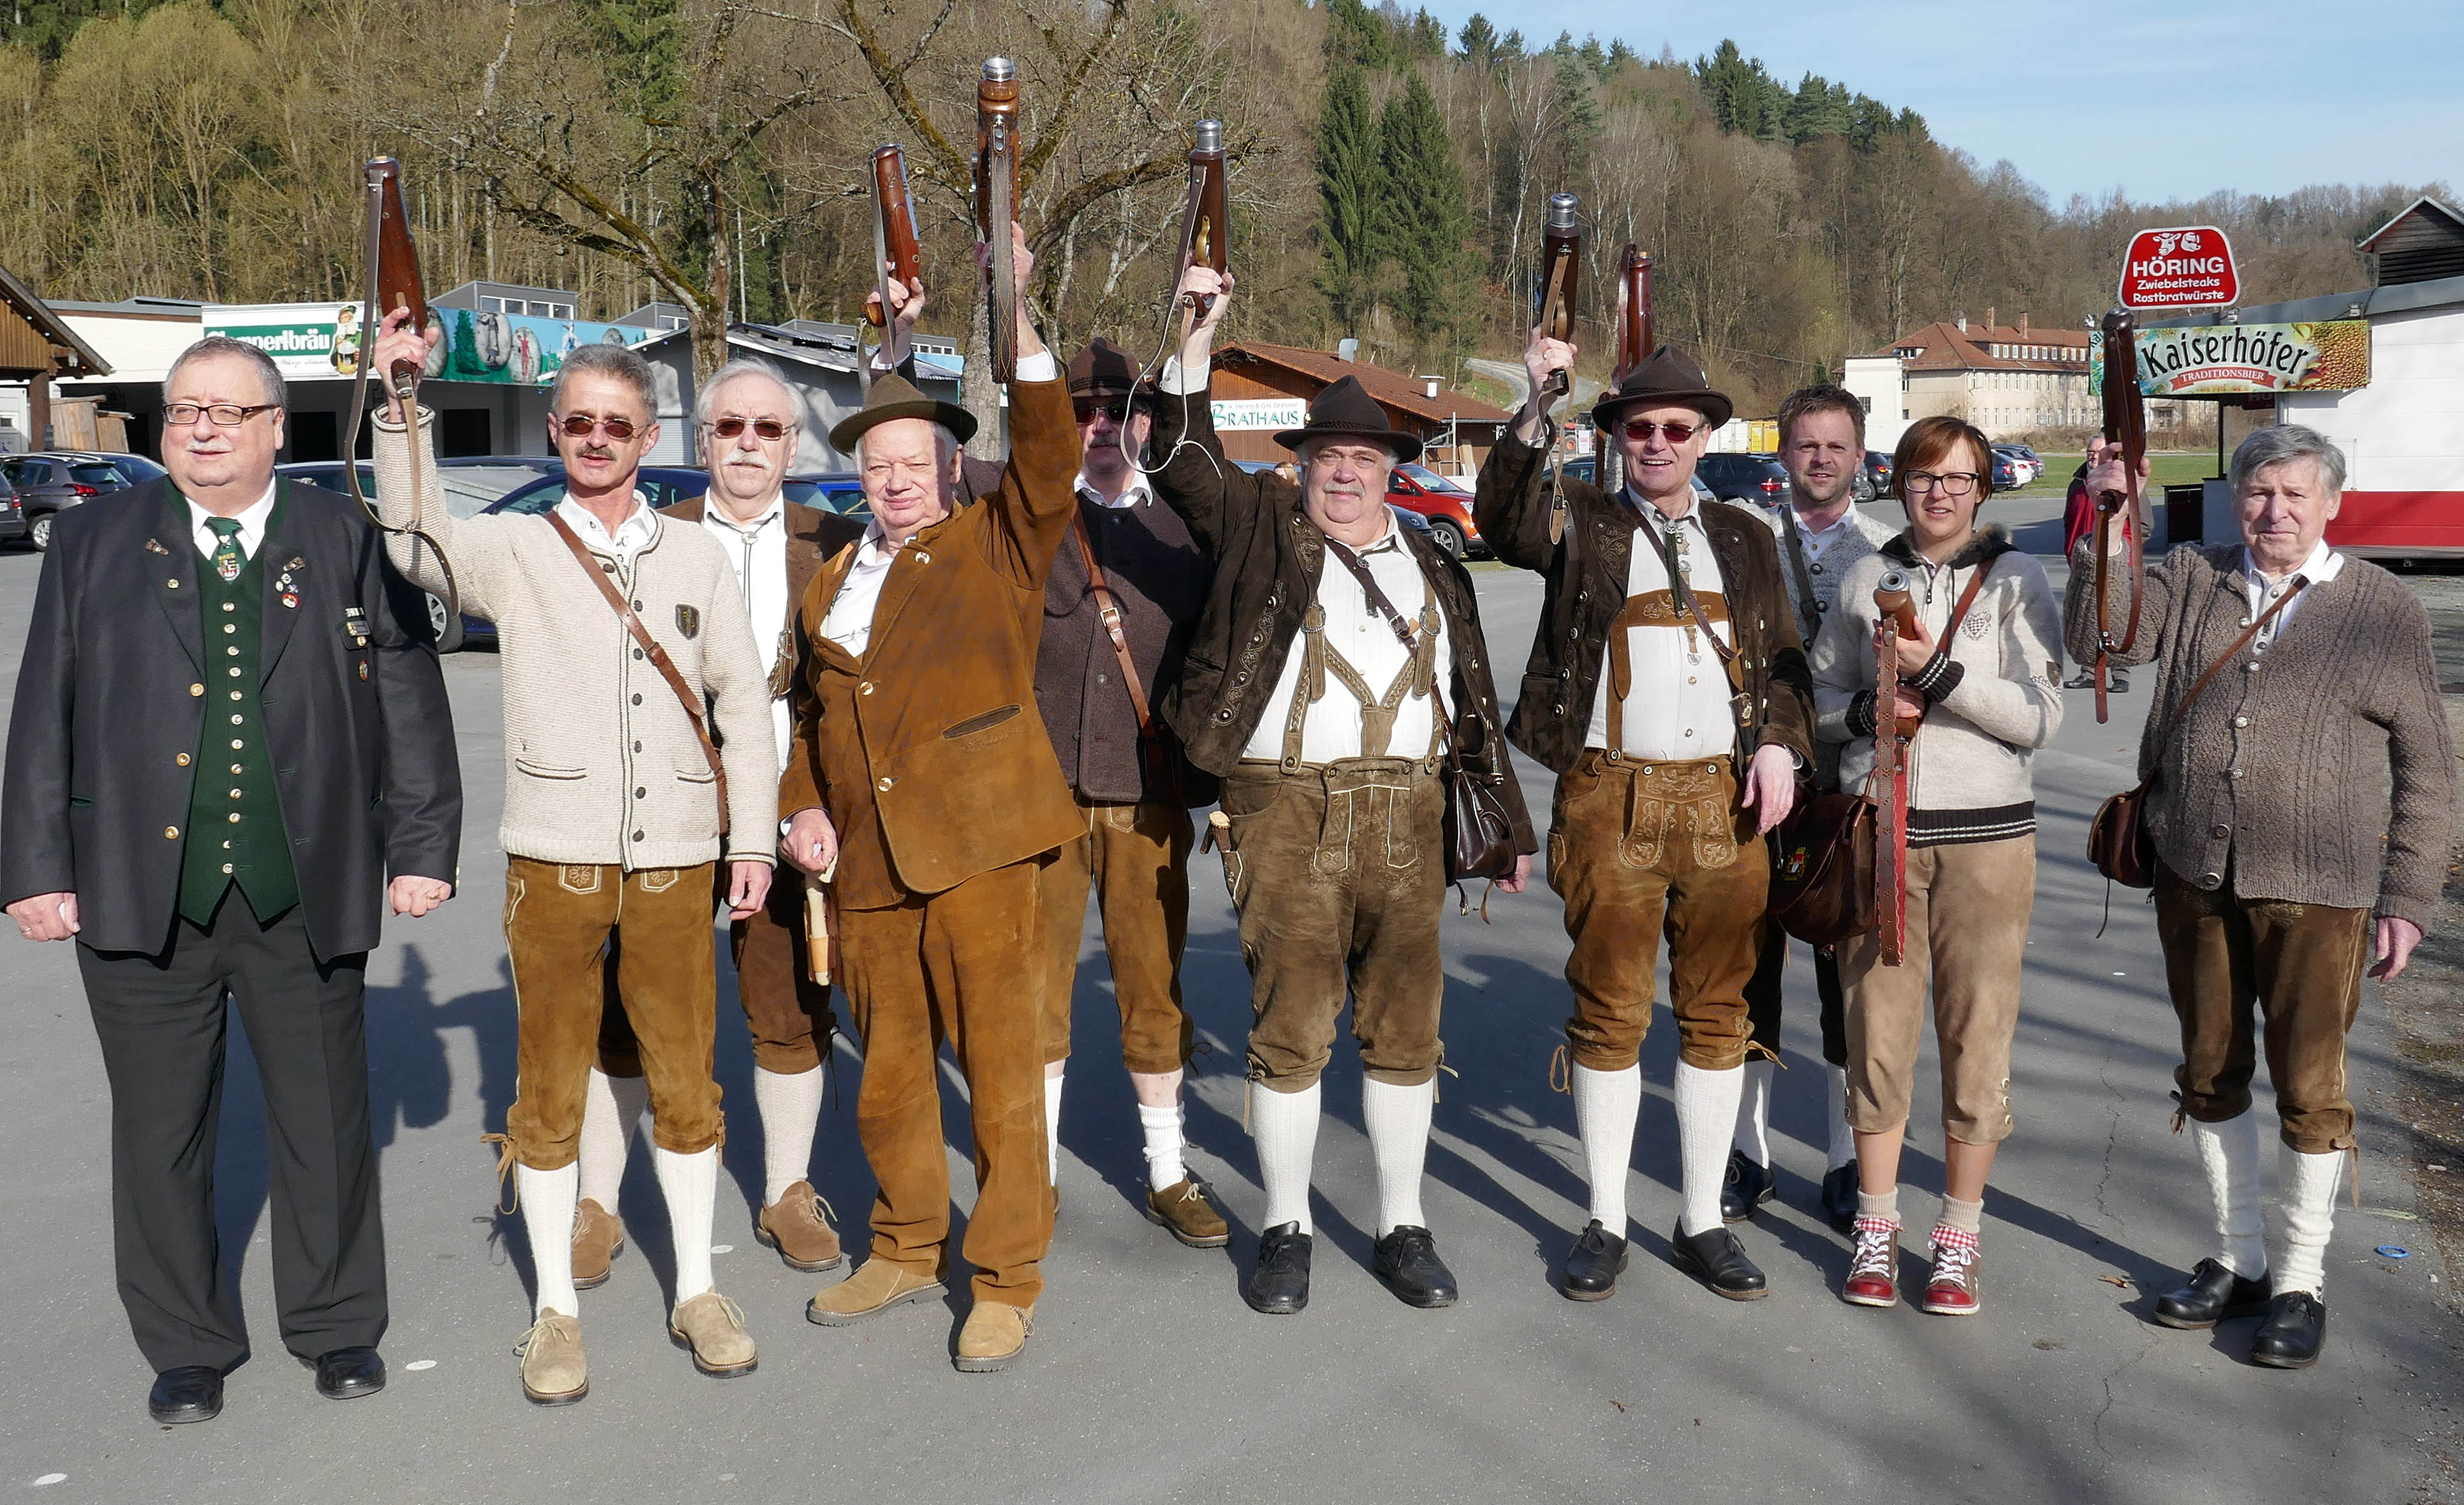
column 1389, row 178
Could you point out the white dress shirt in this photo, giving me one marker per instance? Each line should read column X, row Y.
column 631, row 536
column 1359, row 632
column 251, row 525
column 1137, row 493
column 1678, row 706
column 849, row 622
column 759, row 551
column 2260, row 591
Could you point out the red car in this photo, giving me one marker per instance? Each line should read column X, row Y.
column 1446, row 503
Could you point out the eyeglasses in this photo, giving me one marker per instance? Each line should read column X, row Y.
column 582, row 425
column 1951, row 484
column 730, row 427
column 1674, row 433
column 226, row 415
column 1118, row 412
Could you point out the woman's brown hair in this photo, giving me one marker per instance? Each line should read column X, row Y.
column 1928, row 442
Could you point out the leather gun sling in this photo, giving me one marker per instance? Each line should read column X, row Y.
column 1108, row 612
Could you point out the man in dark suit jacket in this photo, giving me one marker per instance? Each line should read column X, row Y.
column 228, row 731
column 748, row 421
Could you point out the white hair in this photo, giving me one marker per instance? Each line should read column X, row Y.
column 743, row 366
column 2277, row 443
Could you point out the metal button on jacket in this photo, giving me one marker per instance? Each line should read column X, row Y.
column 196, row 689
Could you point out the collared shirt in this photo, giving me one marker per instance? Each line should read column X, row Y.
column 1677, row 705
column 631, row 536
column 1137, row 493
column 849, row 623
column 759, row 551
column 1819, row 542
column 2260, row 591
column 251, row 525
column 1359, row 632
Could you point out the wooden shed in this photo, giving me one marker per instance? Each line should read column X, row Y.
column 37, row 346
column 1256, row 385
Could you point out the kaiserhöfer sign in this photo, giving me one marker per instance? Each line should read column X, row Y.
column 2191, row 267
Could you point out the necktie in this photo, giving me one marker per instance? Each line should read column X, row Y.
column 227, row 559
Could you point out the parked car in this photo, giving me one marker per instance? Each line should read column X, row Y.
column 1875, row 478
column 2008, row 470
column 45, row 482
column 1583, row 468
column 1446, row 503
column 1757, row 478
column 2024, row 464
column 469, row 491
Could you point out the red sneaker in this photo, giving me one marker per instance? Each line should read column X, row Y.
column 1951, row 1290
column 1873, row 1265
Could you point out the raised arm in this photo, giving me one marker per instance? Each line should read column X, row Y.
column 1510, row 503
column 1028, row 516
column 2079, row 636
column 411, row 494
column 1193, row 478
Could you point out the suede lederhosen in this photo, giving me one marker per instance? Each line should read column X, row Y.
column 1639, row 848
column 1337, row 871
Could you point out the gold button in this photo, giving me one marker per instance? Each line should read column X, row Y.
column 231, row 626
column 234, row 695
column 182, row 760
column 236, row 768
column 171, row 584
column 196, row 689
column 235, row 794
column 227, row 867
column 171, row 834
column 234, row 817
column 227, row 606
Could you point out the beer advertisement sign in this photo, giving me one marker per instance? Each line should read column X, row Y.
column 2239, row 359
column 2191, row 267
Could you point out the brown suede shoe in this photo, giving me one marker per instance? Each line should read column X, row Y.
column 553, row 1371
column 994, row 1338
column 1184, row 1209
column 876, row 1286
column 712, row 1327
column 797, row 1226
column 598, row 1238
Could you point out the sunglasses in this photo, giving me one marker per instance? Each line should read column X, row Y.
column 766, row 427
column 1118, row 412
column 1674, row 433
column 581, row 425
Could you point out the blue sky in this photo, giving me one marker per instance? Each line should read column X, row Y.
column 2170, row 100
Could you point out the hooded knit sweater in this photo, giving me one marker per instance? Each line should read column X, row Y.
column 1992, row 692
column 2320, row 772
column 601, row 765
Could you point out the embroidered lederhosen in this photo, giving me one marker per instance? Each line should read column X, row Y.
column 1683, row 798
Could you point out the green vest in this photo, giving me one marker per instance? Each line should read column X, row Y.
column 236, row 832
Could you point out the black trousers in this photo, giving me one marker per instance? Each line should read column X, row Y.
column 160, row 1020
column 1763, row 1003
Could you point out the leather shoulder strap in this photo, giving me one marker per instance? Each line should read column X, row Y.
column 1967, row 597
column 1108, row 612
column 2182, row 707
column 650, row 650
column 1678, row 588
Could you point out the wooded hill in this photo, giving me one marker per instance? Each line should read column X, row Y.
column 1389, row 179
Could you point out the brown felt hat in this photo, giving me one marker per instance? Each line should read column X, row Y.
column 893, row 396
column 1344, row 410
column 1667, row 379
column 1104, row 370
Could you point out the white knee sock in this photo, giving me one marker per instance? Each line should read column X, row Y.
column 1606, row 1105
column 1398, row 1121
column 548, row 1198
column 2308, row 1192
column 1163, row 1132
column 1706, row 1120
column 2229, row 1153
column 791, row 1106
column 1843, row 1139
column 611, row 1110
column 1052, row 1126
column 691, row 1184
column 1284, row 1125
column 1753, row 1111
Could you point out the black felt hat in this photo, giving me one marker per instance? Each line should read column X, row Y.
column 1344, row 410
column 1104, row 370
column 1667, row 379
column 893, row 396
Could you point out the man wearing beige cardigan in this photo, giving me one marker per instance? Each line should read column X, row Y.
column 2301, row 813
column 613, row 813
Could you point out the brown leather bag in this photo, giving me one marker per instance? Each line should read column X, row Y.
column 650, row 650
column 2118, row 842
column 1822, row 872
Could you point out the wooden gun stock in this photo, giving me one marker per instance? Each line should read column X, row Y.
column 897, row 255
column 1204, row 235
column 1633, row 340
column 397, row 270
column 2125, row 424
column 1890, row 785
column 1561, row 259
column 997, row 193
column 1891, row 598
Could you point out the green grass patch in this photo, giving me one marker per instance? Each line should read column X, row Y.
column 2164, row 470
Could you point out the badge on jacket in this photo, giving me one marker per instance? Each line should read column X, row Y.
column 689, row 622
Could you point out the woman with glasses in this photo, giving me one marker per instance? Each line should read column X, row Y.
column 1977, row 683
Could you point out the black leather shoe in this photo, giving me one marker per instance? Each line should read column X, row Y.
column 1280, row 1284
column 2295, row 1325
column 1747, row 1186
column 1840, row 1197
column 348, row 1373
column 190, row 1393
column 1715, row 1257
column 2118, row 684
column 1407, row 1261
column 1594, row 1264
column 2214, row 1295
